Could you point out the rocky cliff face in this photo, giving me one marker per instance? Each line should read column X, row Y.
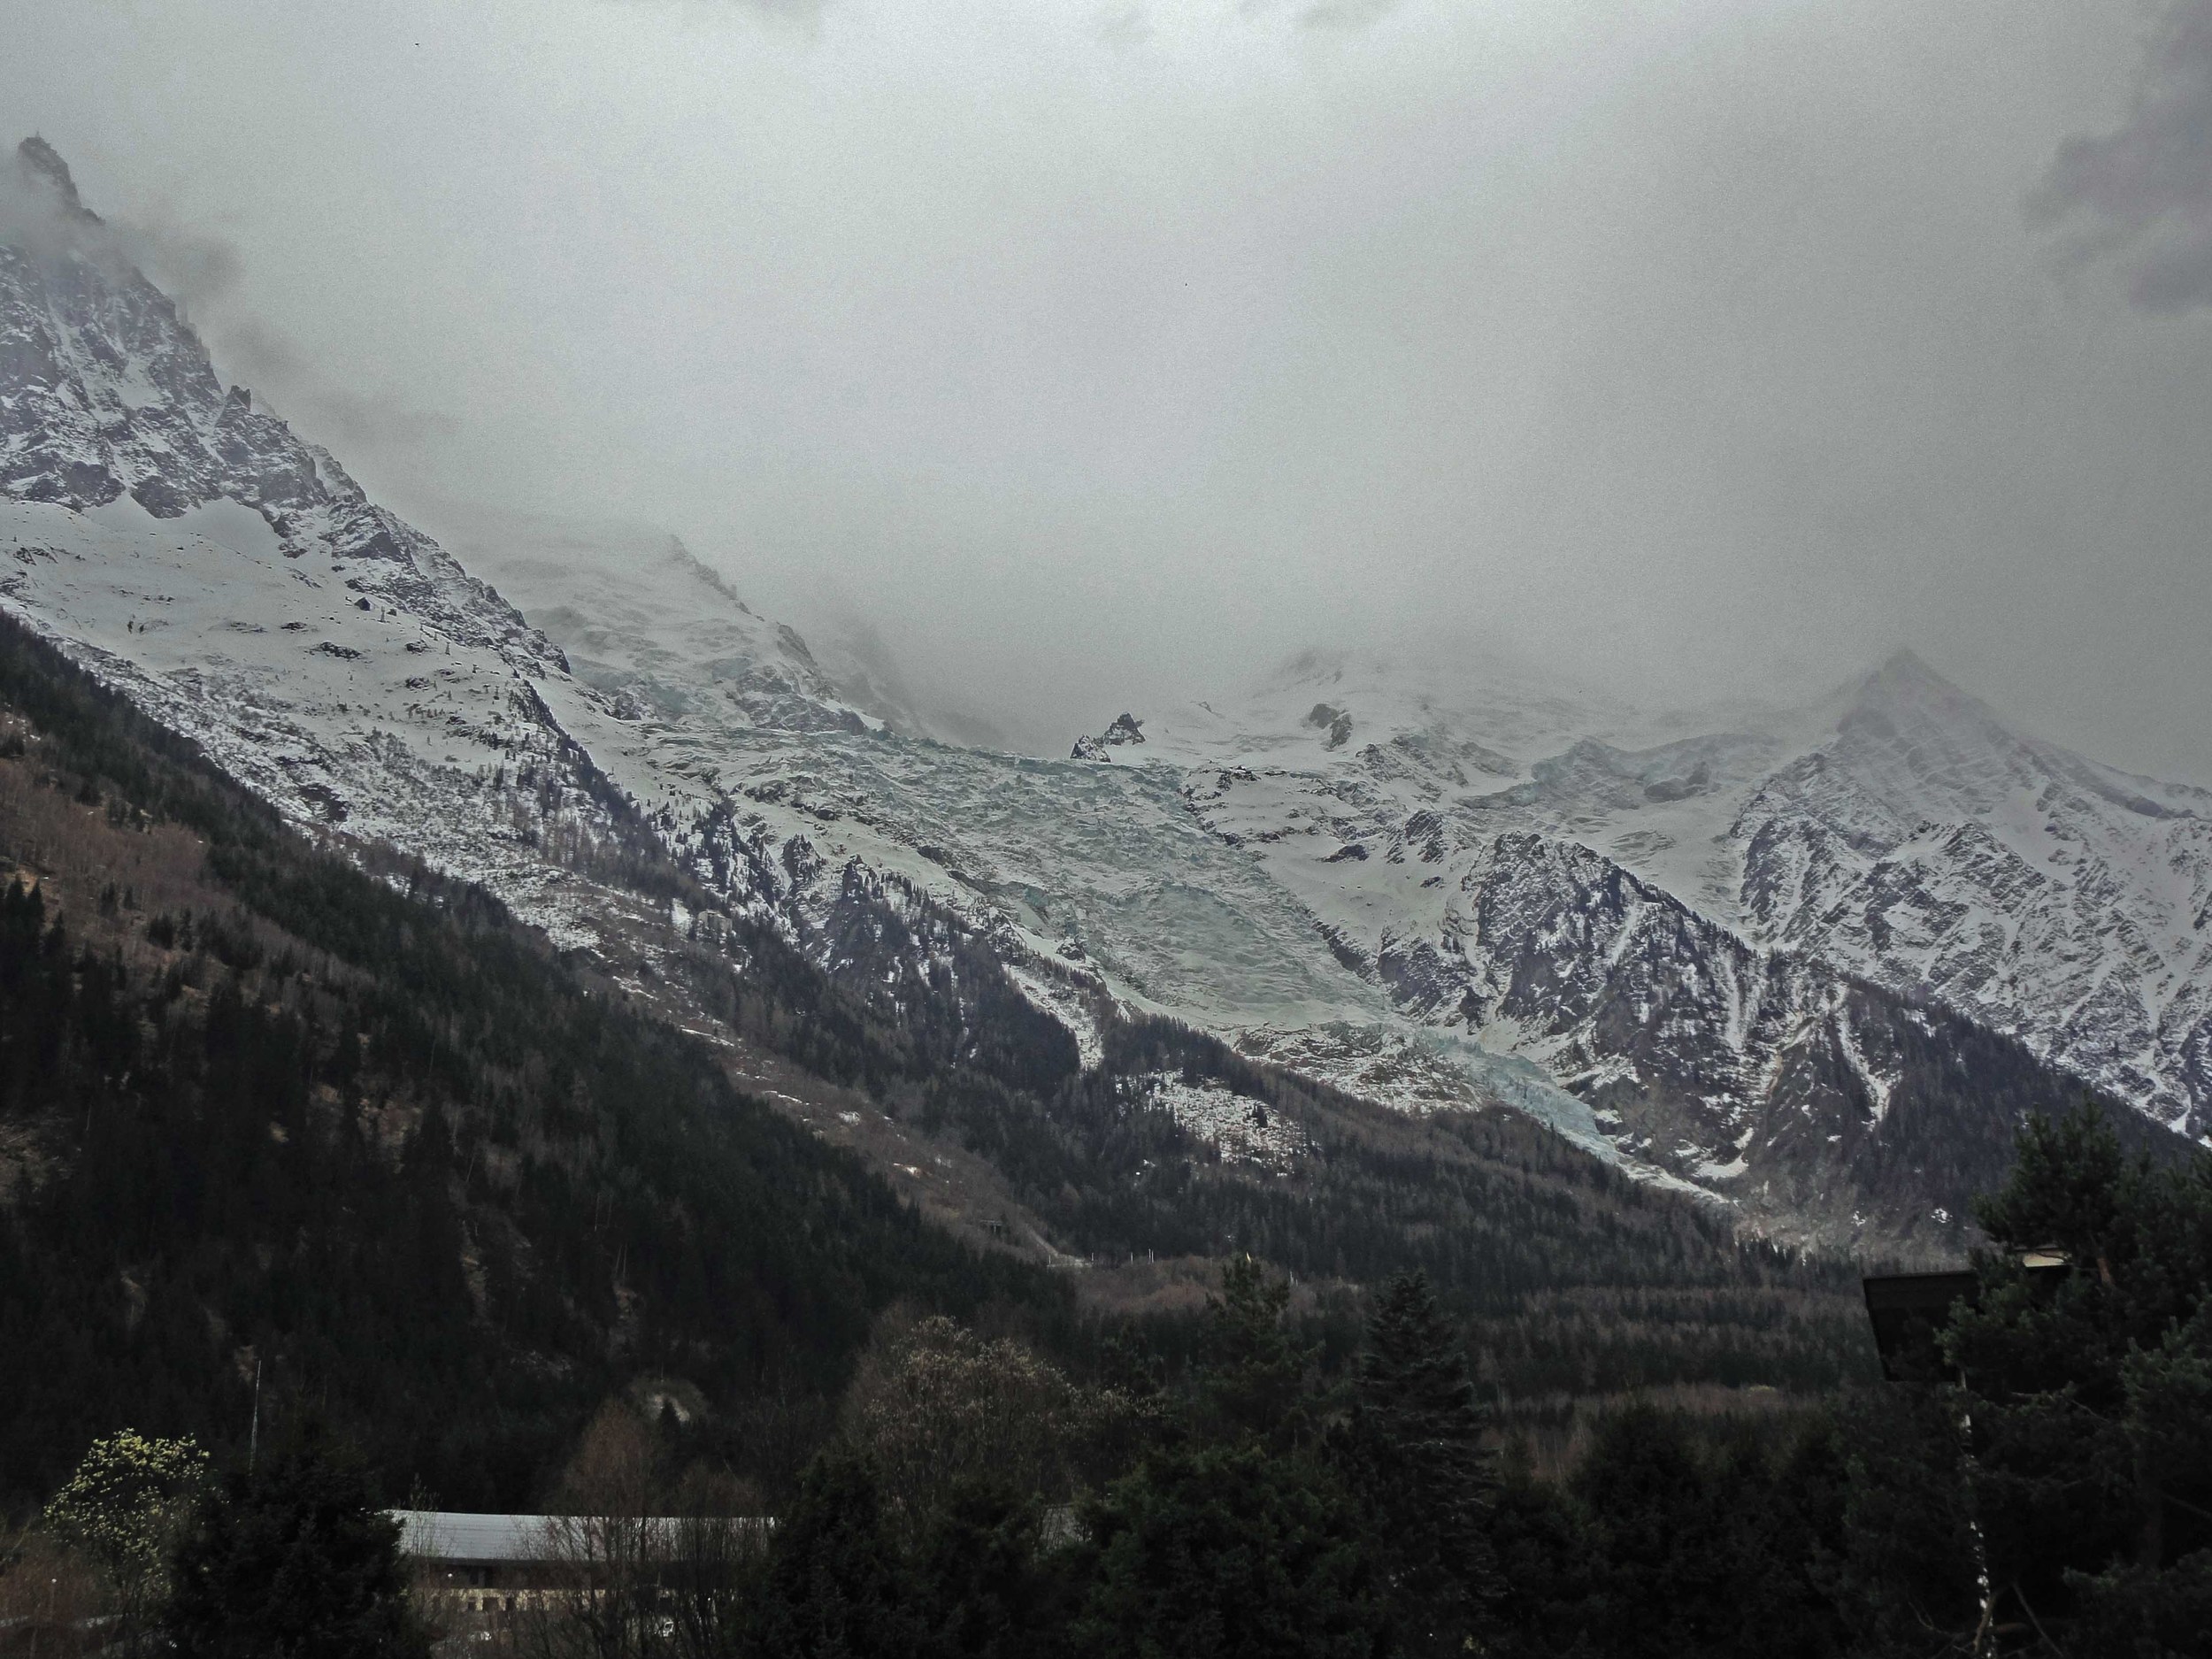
column 107, row 395
column 1706, row 936
column 1125, row 730
column 1816, row 1099
column 196, row 551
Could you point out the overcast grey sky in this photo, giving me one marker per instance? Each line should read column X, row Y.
column 1098, row 349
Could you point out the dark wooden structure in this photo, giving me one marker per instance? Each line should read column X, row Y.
column 1908, row 1311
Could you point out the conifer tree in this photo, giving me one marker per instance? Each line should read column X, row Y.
column 836, row 1586
column 984, row 1595
column 1664, row 1579
column 1255, row 1372
column 1230, row 1552
column 293, row 1559
column 1234, row 1541
column 1414, row 1453
column 2088, row 1401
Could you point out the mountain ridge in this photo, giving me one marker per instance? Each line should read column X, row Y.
column 1395, row 876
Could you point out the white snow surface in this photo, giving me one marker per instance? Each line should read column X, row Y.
column 1241, row 1129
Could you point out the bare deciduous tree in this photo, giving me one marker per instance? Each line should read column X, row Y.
column 717, row 1545
column 649, row 1567
column 604, row 1544
column 935, row 1406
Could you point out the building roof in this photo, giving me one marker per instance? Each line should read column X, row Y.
column 446, row 1535
column 452, row 1535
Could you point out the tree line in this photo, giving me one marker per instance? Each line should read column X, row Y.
column 2051, row 1494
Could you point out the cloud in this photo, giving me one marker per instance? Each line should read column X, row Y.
column 2140, row 196
column 189, row 265
column 1345, row 14
column 1348, row 15
column 1122, row 26
column 40, row 209
column 1677, row 341
column 343, row 417
column 807, row 13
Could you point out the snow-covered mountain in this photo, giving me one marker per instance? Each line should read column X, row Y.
column 1901, row 834
column 582, row 576
column 1927, row 847
column 1775, row 957
column 192, row 549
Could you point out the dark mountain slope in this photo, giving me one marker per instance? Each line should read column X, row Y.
column 1832, row 1108
column 256, row 1105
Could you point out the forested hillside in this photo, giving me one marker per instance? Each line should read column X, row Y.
column 259, row 1107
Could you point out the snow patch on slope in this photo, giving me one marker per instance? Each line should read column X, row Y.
column 1240, row 1129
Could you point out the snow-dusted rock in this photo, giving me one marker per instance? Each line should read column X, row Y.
column 1617, row 898
column 1126, row 729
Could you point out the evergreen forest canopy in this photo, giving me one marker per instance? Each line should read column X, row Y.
column 2054, row 1495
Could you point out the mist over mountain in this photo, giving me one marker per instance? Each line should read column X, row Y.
column 1811, row 962
column 1706, row 349
column 641, row 1002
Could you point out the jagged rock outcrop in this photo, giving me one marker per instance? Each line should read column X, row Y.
column 1126, row 729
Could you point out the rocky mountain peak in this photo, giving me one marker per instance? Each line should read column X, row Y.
column 1926, row 729
column 690, row 566
column 1336, row 722
column 1126, row 729
column 41, row 167
column 1905, row 687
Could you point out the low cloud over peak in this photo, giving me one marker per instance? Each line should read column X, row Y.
column 2141, row 195
column 1099, row 351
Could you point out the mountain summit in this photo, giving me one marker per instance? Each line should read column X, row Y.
column 42, row 169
